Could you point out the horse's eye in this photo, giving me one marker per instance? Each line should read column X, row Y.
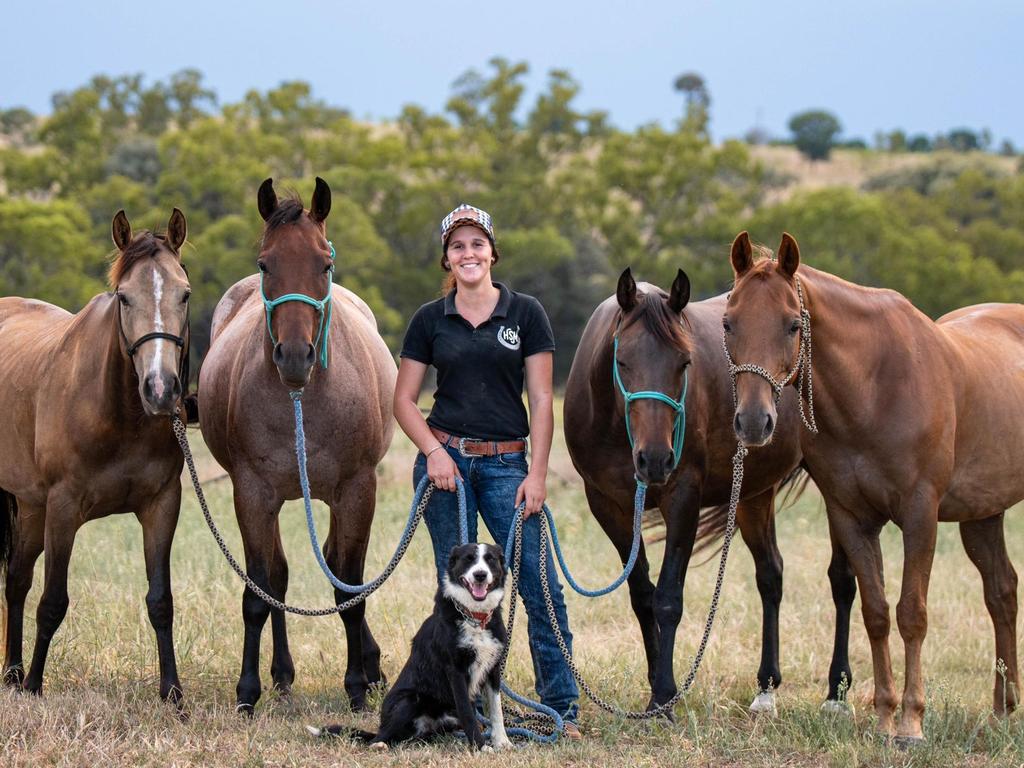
column 262, row 266
column 186, row 297
column 328, row 268
column 124, row 300
column 794, row 327
column 726, row 326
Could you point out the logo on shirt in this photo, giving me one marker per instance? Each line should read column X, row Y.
column 509, row 337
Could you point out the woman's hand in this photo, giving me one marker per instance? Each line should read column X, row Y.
column 533, row 490
column 441, row 470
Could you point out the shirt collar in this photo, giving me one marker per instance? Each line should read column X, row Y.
column 500, row 309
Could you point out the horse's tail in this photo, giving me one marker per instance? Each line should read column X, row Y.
column 714, row 520
column 8, row 510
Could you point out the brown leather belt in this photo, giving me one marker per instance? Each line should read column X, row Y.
column 469, row 446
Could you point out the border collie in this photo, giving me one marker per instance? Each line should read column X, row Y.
column 454, row 658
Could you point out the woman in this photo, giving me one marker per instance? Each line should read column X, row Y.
column 482, row 338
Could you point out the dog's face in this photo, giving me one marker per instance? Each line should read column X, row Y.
column 476, row 576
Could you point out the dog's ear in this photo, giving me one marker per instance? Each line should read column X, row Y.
column 501, row 558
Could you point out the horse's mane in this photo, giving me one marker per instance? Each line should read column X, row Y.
column 660, row 321
column 288, row 211
column 144, row 244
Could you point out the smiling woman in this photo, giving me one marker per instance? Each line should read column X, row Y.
column 484, row 339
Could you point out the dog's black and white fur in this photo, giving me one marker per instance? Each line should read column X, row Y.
column 455, row 656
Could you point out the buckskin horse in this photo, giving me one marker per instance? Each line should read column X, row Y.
column 327, row 345
column 917, row 422
column 88, row 399
column 660, row 339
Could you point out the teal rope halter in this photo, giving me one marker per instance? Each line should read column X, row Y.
column 322, row 306
column 679, row 406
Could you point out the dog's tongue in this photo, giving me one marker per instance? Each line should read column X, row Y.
column 479, row 591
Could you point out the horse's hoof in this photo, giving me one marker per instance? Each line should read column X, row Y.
column 903, row 743
column 14, row 676
column 764, row 704
column 245, row 710
column 838, row 708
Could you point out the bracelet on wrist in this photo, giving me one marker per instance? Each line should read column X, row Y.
column 435, row 448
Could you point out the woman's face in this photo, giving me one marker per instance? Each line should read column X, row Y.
column 470, row 256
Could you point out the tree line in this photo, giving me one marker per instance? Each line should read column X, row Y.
column 575, row 200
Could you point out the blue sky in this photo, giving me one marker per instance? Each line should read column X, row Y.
column 922, row 66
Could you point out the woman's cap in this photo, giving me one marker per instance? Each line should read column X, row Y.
column 466, row 214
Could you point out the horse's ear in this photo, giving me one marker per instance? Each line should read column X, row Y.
column 626, row 291
column 321, row 205
column 176, row 230
column 679, row 297
column 266, row 199
column 789, row 255
column 742, row 255
column 121, row 230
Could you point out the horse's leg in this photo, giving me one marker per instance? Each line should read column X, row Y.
column 681, row 513
column 345, row 551
column 756, row 519
column 983, row 540
column 919, row 521
column 617, row 524
column 844, row 590
column 860, row 542
column 27, row 546
column 256, row 505
column 158, row 521
column 282, row 668
column 59, row 538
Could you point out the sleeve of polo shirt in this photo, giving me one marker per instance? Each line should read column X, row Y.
column 537, row 335
column 416, row 345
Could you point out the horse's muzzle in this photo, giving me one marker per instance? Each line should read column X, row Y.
column 653, row 465
column 294, row 361
column 754, row 428
column 160, row 393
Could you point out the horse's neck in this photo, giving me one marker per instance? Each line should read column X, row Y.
column 105, row 375
column 865, row 343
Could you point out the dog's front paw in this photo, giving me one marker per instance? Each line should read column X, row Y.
column 380, row 745
column 486, row 748
column 500, row 744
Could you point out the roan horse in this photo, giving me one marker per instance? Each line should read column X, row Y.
column 87, row 399
column 659, row 337
column 256, row 356
column 917, row 422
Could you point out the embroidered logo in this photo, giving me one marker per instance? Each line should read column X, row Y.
column 509, row 337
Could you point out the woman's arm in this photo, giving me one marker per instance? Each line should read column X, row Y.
column 440, row 468
column 533, row 489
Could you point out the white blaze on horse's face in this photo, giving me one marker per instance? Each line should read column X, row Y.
column 154, row 299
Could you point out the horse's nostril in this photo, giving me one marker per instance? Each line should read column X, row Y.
column 310, row 354
column 278, row 354
column 736, row 425
column 176, row 387
column 147, row 387
column 769, row 425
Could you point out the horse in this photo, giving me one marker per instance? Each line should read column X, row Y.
column 261, row 349
column 918, row 421
column 666, row 344
column 88, row 399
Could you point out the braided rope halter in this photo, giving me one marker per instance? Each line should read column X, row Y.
column 801, row 369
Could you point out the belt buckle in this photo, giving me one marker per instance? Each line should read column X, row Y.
column 462, row 449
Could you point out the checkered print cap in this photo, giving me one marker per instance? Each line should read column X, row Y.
column 466, row 214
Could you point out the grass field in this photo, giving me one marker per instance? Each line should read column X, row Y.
column 100, row 704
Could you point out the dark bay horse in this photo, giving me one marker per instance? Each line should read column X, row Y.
column 917, row 422
column 256, row 356
column 660, row 335
column 87, row 400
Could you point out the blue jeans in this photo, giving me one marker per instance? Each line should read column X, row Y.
column 491, row 483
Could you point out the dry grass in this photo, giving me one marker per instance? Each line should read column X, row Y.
column 101, row 708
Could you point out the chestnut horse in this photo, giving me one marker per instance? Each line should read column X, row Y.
column 257, row 355
column 659, row 337
column 917, row 422
column 88, row 400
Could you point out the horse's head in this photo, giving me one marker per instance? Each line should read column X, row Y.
column 296, row 264
column 651, row 351
column 153, row 291
column 762, row 325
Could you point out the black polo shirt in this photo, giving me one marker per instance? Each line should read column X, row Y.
column 480, row 371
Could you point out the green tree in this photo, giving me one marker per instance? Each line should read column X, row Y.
column 814, row 132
